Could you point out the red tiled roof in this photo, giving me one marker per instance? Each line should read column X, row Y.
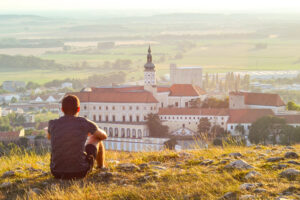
column 262, row 99
column 116, row 97
column 193, row 111
column 163, row 89
column 186, row 90
column 11, row 134
column 291, row 119
column 247, row 115
column 118, row 89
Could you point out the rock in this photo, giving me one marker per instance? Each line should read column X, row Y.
column 290, row 173
column 247, row 197
column 289, row 147
column 37, row 191
column 257, row 147
column 247, row 186
column 274, row 159
column 260, row 190
column 293, row 162
column 238, row 164
column 290, row 190
column 31, row 169
column 159, row 167
column 105, row 175
column 8, row 174
column 252, row 174
column 223, row 162
column 19, row 171
column 206, row 162
column 154, row 163
column 5, row 185
column 230, row 196
column 291, row 155
column 235, row 154
column 178, row 165
column 144, row 166
column 128, row 167
column 279, row 166
column 148, row 178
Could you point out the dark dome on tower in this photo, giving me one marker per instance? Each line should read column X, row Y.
column 149, row 65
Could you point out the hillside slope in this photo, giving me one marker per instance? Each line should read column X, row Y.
column 201, row 174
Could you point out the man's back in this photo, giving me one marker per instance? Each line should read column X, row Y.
column 68, row 137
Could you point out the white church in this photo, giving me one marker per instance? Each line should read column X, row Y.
column 121, row 110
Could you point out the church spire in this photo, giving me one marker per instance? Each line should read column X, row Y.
column 149, row 65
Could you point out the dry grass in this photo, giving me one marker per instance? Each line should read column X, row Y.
column 190, row 181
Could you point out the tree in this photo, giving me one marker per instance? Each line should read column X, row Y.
column 155, row 126
column 265, row 127
column 13, row 100
column 218, row 131
column 204, row 125
column 195, row 103
column 292, row 106
column 240, row 129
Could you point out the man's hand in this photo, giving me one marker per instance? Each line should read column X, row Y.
column 48, row 136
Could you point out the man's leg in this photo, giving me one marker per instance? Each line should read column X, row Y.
column 100, row 157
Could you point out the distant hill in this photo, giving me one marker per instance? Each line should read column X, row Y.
column 32, row 17
column 26, row 62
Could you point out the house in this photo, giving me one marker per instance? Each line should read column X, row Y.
column 12, row 86
column 11, row 136
column 250, row 100
column 66, row 85
column 245, row 118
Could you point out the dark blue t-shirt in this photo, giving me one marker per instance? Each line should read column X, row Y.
column 68, row 137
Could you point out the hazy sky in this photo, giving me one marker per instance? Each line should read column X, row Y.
column 197, row 5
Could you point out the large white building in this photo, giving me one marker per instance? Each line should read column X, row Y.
column 122, row 110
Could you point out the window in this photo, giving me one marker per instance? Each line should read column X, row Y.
column 222, row 123
column 139, row 133
column 137, row 118
column 122, row 132
column 151, row 108
column 186, row 104
column 162, row 105
column 99, row 107
column 123, row 107
column 133, row 133
column 100, row 118
column 110, row 132
column 116, row 132
column 106, row 118
column 231, row 127
column 128, row 133
column 130, row 107
column 113, row 118
column 130, row 118
column 145, row 118
column 94, row 107
column 85, row 116
column 84, row 107
column 113, row 108
column 124, row 118
column 106, row 108
column 176, row 104
column 94, row 117
column 137, row 108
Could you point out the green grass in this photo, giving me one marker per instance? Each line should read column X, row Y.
column 190, row 181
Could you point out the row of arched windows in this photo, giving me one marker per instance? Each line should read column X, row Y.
column 124, row 133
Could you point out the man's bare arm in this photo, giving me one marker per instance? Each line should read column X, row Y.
column 48, row 136
column 100, row 134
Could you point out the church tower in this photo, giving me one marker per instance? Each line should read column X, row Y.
column 149, row 71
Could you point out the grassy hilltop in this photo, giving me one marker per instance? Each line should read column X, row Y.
column 201, row 174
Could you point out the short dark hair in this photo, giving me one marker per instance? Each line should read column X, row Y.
column 70, row 104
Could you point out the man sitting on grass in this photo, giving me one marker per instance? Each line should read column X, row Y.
column 72, row 151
